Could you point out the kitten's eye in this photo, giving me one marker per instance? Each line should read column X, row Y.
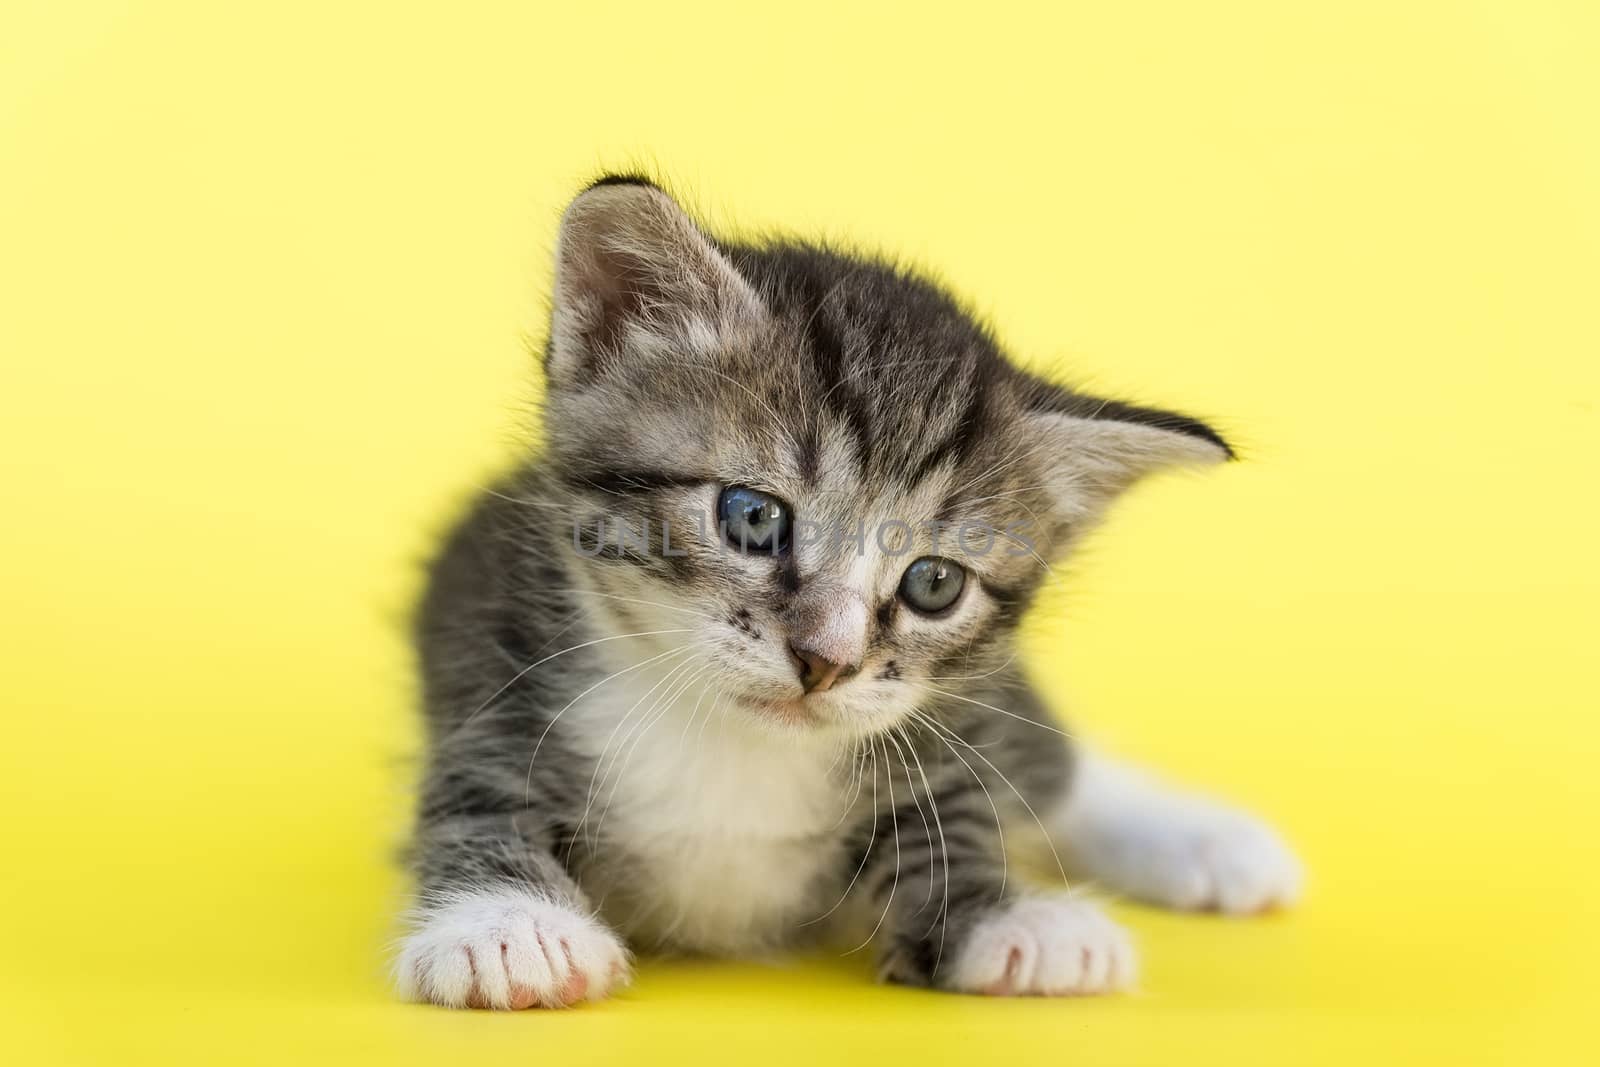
column 752, row 520
column 932, row 584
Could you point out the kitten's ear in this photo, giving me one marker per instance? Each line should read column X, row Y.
column 1095, row 449
column 634, row 272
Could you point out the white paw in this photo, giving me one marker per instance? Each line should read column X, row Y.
column 508, row 949
column 1136, row 838
column 1045, row 946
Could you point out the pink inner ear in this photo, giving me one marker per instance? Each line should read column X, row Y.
column 629, row 259
column 613, row 289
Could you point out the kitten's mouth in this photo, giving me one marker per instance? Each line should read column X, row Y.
column 794, row 711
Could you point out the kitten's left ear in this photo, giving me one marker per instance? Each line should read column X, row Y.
column 1094, row 449
column 635, row 275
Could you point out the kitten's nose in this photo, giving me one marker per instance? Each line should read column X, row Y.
column 817, row 675
column 827, row 635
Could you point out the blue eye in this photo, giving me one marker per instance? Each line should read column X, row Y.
column 932, row 583
column 753, row 521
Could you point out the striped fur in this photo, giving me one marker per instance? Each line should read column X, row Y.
column 619, row 730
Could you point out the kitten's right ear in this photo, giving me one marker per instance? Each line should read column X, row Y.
column 1094, row 449
column 635, row 274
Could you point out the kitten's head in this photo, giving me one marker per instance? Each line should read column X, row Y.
column 818, row 472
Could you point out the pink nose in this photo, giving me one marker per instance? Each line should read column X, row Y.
column 817, row 674
column 827, row 627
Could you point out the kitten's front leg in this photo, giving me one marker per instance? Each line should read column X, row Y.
column 499, row 923
column 1133, row 835
column 954, row 917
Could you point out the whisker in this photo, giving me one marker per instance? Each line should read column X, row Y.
column 1060, row 867
column 944, row 855
column 666, row 703
column 600, row 762
column 894, row 821
column 633, row 600
column 973, row 677
column 527, row 791
column 707, row 688
column 860, row 774
column 1005, row 861
column 991, row 707
column 927, row 830
column 716, row 712
column 541, row 662
column 872, row 839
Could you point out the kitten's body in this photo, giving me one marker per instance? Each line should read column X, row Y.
column 619, row 741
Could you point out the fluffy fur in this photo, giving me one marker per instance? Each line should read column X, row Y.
column 622, row 744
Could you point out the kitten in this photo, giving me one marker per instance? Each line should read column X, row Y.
column 729, row 665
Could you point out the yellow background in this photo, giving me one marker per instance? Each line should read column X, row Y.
column 266, row 278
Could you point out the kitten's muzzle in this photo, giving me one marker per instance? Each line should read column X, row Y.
column 827, row 636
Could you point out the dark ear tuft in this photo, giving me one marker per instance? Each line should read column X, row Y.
column 1171, row 421
column 628, row 177
column 1042, row 396
column 1094, row 449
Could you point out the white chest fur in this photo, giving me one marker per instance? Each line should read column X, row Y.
column 709, row 829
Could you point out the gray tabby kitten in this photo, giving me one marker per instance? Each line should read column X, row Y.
column 729, row 665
